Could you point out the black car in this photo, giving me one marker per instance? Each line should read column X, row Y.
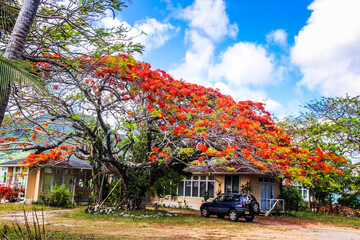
column 234, row 205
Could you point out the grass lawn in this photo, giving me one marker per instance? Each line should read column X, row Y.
column 11, row 207
column 188, row 224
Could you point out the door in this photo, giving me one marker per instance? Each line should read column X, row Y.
column 266, row 193
column 215, row 206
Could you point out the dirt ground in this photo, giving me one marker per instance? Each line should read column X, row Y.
column 261, row 228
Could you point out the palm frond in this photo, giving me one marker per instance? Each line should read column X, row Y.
column 17, row 71
column 8, row 15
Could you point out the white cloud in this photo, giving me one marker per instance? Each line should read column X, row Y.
column 244, row 63
column 278, row 36
column 209, row 17
column 197, row 59
column 327, row 49
column 241, row 67
column 245, row 93
column 156, row 33
column 242, row 70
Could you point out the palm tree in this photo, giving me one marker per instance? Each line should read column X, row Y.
column 11, row 70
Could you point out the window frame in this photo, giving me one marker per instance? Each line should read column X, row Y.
column 196, row 180
column 63, row 172
column 232, row 183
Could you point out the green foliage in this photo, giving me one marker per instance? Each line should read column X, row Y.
column 167, row 185
column 138, row 183
column 331, row 124
column 246, row 188
column 8, row 15
column 126, row 190
column 292, row 197
column 351, row 200
column 206, row 196
column 16, row 70
column 59, row 197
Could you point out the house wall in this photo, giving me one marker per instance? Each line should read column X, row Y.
column 30, row 185
column 195, row 202
column 191, row 202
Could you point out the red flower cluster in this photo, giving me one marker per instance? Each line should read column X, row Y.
column 10, row 194
column 54, row 155
column 198, row 117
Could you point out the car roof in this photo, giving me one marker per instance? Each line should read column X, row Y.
column 231, row 194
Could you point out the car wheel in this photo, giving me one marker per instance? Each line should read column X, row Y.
column 205, row 212
column 255, row 208
column 220, row 215
column 249, row 218
column 233, row 215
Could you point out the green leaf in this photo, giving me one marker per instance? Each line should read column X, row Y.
column 17, row 71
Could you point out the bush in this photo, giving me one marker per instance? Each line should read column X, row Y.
column 59, row 197
column 349, row 200
column 10, row 194
column 292, row 197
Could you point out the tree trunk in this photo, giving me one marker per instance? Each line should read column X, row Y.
column 21, row 29
column 16, row 45
column 3, row 103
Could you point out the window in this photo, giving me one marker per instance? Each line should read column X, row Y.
column 232, row 184
column 304, row 192
column 57, row 176
column 19, row 177
column 83, row 178
column 266, row 180
column 3, row 176
column 195, row 186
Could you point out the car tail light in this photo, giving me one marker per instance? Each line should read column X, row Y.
column 243, row 204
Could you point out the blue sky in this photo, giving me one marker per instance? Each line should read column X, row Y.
column 284, row 53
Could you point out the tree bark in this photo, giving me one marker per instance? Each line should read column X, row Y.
column 16, row 44
column 21, row 29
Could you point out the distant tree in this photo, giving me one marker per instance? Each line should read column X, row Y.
column 331, row 124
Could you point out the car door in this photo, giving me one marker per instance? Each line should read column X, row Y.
column 226, row 204
column 215, row 206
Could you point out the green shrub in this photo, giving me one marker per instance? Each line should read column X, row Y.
column 292, row 197
column 59, row 197
column 350, row 200
column 246, row 188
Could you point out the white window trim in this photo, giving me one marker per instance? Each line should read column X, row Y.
column 191, row 180
column 53, row 178
column 21, row 182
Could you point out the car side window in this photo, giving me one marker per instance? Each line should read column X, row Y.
column 230, row 199
column 219, row 199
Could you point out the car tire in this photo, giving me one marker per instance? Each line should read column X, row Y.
column 249, row 218
column 220, row 215
column 205, row 212
column 233, row 215
column 255, row 208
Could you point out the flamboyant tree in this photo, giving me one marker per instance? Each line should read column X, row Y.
column 127, row 117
